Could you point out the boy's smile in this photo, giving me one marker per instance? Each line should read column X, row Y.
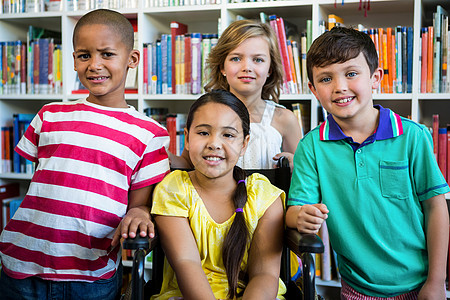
column 101, row 60
column 345, row 89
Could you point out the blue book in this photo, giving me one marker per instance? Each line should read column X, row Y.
column 409, row 50
column 158, row 67
column 164, row 63
column 169, row 63
column 14, row 206
column 19, row 122
column 43, row 65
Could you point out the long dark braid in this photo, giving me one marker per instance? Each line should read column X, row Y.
column 237, row 239
column 238, row 236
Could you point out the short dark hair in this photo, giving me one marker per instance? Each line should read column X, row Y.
column 339, row 45
column 116, row 21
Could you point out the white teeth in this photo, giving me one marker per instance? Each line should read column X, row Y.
column 344, row 100
column 213, row 158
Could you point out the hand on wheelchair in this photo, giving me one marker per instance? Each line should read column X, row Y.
column 136, row 220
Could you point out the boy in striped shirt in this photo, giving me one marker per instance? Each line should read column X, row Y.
column 373, row 176
column 98, row 160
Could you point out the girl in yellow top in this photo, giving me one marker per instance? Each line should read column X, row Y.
column 221, row 232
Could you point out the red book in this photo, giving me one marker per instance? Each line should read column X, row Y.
column 171, row 122
column 285, row 55
column 442, row 152
column 430, row 60
column 145, row 62
column 176, row 28
column 8, row 191
column 273, row 24
column 424, row 71
column 435, row 135
column 187, row 63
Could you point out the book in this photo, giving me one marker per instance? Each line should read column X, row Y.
column 298, row 70
column 430, row 59
column 187, row 64
column 145, row 64
column 20, row 121
column 399, row 57
column 8, row 191
column 424, row 65
column 437, row 44
column 296, row 109
column 196, row 63
column 409, row 58
column 442, row 151
column 435, row 134
column 285, row 56
column 176, row 28
column 334, row 20
column 291, row 63
column 303, row 43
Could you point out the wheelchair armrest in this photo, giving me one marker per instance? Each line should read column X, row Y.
column 301, row 243
column 145, row 243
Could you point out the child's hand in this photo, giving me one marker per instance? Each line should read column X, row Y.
column 137, row 218
column 311, row 217
column 289, row 156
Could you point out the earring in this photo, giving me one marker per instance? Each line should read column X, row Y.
column 224, row 75
column 268, row 75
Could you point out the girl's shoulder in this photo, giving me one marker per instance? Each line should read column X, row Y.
column 260, row 192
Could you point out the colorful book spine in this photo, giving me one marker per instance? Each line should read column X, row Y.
column 409, row 58
column 442, row 152
column 188, row 63
column 424, row 72
column 176, row 28
column 398, row 55
column 430, row 59
column 285, row 56
column 145, row 64
column 296, row 54
column 196, row 62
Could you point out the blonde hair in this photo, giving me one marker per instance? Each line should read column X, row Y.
column 231, row 38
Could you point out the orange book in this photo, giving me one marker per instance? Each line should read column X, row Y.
column 385, row 81
column 424, row 66
column 430, row 60
column 389, row 59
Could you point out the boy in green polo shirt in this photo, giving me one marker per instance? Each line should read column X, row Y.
column 373, row 176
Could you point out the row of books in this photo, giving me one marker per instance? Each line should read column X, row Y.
column 167, row 3
column 176, row 63
column 175, row 124
column 34, row 66
column 441, row 146
column 75, row 5
column 29, row 6
column 12, row 162
column 434, row 54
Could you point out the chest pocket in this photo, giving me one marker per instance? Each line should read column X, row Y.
column 394, row 179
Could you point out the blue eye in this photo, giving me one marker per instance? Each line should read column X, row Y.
column 259, row 60
column 235, row 58
column 326, row 79
column 351, row 74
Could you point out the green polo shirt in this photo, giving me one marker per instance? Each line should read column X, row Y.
column 373, row 191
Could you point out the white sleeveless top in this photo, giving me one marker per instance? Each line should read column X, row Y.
column 265, row 142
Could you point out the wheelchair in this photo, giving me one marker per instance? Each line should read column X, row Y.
column 303, row 245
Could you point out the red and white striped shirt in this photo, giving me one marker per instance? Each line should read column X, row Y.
column 89, row 157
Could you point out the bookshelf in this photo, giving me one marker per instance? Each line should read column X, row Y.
column 152, row 21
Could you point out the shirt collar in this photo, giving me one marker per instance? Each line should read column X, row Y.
column 389, row 126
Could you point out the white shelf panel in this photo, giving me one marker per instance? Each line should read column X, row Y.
column 19, row 176
column 129, row 264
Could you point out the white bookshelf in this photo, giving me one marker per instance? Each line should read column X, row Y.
column 153, row 21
